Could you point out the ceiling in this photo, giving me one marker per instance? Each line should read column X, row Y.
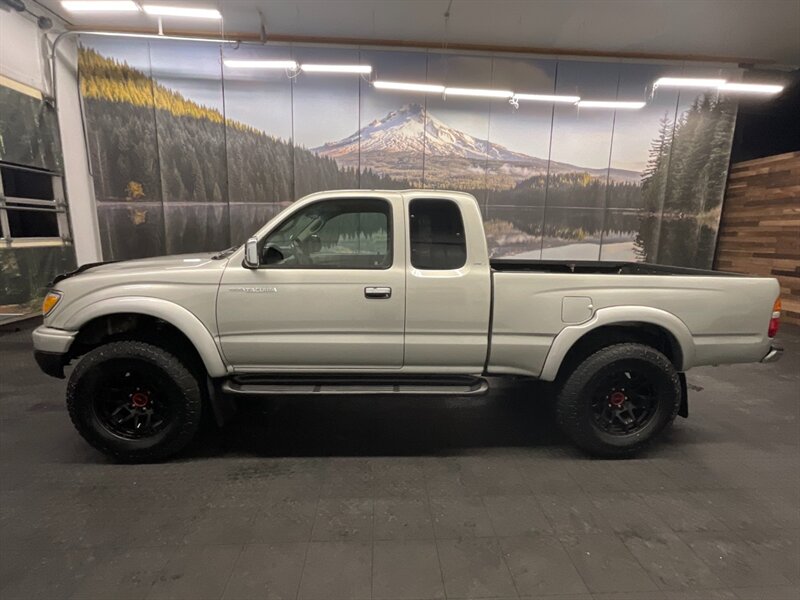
column 761, row 31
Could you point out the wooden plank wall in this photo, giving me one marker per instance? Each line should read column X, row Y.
column 760, row 227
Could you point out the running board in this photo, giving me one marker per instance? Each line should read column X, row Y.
column 349, row 386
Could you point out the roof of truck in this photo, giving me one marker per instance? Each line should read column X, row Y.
column 368, row 192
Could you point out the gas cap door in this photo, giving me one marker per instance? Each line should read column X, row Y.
column 576, row 309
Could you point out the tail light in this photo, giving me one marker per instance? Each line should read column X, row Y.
column 775, row 321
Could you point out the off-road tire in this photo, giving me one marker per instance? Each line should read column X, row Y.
column 183, row 391
column 573, row 404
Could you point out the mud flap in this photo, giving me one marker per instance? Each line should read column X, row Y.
column 683, row 411
column 223, row 407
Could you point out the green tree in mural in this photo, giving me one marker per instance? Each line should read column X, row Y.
column 684, row 182
column 654, row 177
column 140, row 130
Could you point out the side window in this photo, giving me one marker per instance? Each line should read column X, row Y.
column 437, row 234
column 333, row 234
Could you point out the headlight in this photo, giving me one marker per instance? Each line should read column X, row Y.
column 50, row 302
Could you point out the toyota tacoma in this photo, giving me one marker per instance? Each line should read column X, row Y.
column 383, row 293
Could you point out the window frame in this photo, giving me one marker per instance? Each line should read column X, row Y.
column 56, row 206
column 463, row 230
column 389, row 237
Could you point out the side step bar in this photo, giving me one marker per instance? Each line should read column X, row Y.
column 354, row 385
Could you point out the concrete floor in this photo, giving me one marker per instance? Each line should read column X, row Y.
column 408, row 499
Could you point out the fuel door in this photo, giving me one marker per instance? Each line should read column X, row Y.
column 576, row 309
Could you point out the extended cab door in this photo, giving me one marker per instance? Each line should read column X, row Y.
column 448, row 296
column 329, row 292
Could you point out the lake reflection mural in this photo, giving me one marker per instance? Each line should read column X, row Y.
column 189, row 154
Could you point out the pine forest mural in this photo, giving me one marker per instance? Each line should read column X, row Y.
column 189, row 154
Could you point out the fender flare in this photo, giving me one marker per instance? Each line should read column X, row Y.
column 174, row 314
column 619, row 315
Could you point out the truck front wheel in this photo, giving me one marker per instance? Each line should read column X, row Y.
column 618, row 400
column 134, row 401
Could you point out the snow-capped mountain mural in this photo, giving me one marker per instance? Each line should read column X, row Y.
column 450, row 154
column 189, row 157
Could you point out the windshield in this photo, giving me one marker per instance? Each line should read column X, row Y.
column 291, row 229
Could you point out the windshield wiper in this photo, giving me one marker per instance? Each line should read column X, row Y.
column 224, row 253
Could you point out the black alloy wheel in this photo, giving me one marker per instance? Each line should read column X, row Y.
column 618, row 400
column 624, row 401
column 134, row 401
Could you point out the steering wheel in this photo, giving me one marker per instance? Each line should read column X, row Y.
column 302, row 256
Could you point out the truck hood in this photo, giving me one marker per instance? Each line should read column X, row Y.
column 182, row 262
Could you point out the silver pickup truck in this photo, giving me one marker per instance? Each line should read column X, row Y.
column 388, row 292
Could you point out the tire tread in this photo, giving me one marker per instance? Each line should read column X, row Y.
column 180, row 374
column 570, row 396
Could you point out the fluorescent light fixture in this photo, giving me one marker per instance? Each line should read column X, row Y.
column 366, row 69
column 751, row 88
column 156, row 36
column 100, row 5
column 261, row 64
column 409, row 87
column 720, row 84
column 477, row 92
column 689, row 82
column 547, row 98
column 611, row 104
column 180, row 11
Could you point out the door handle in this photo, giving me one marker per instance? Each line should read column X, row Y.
column 378, row 292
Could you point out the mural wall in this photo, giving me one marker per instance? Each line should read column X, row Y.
column 189, row 154
column 35, row 242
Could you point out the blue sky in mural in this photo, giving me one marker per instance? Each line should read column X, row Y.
column 634, row 130
column 583, row 136
column 131, row 51
column 527, row 128
column 391, row 66
column 470, row 115
column 325, row 105
column 260, row 98
column 191, row 68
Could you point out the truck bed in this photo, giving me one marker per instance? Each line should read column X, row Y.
column 512, row 265
column 721, row 317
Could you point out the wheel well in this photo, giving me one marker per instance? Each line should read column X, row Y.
column 640, row 333
column 134, row 326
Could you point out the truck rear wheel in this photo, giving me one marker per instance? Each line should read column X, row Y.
column 134, row 401
column 618, row 400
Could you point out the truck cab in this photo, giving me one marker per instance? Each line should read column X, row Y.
column 347, row 281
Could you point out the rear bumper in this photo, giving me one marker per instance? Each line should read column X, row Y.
column 774, row 354
column 50, row 349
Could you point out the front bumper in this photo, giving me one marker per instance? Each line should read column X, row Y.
column 50, row 339
column 51, row 347
column 51, row 363
column 774, row 354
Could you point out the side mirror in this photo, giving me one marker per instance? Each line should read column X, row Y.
column 251, row 253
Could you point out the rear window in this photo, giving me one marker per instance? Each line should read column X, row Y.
column 437, row 235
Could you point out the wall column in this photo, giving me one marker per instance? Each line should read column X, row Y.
column 80, row 189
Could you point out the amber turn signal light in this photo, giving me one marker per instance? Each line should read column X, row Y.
column 50, row 302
